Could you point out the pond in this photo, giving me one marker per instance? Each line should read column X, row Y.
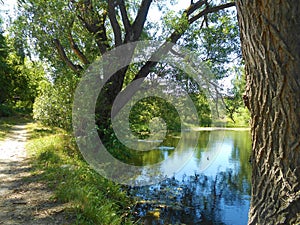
column 211, row 187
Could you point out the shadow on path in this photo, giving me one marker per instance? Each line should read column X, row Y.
column 24, row 199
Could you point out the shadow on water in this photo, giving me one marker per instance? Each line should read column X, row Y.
column 203, row 192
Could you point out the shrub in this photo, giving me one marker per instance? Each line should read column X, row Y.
column 53, row 106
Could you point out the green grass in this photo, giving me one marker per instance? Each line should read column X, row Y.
column 94, row 199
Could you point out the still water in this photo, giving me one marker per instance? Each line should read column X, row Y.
column 210, row 185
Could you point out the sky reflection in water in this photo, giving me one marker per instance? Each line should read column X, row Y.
column 213, row 187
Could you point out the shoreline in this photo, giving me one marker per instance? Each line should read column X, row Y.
column 219, row 128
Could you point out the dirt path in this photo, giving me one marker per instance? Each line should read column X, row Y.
column 24, row 199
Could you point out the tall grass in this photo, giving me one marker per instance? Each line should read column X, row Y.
column 94, row 199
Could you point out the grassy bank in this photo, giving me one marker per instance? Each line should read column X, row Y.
column 93, row 199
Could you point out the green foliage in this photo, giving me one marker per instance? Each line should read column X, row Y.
column 25, row 78
column 241, row 118
column 151, row 107
column 6, row 110
column 203, row 109
column 4, row 70
column 46, row 23
column 53, row 106
column 236, row 111
column 93, row 199
column 217, row 42
column 173, row 22
column 19, row 78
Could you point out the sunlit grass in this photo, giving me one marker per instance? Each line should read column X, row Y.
column 94, row 199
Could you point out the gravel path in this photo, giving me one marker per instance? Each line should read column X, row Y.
column 23, row 198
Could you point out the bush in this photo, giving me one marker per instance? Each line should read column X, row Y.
column 53, row 106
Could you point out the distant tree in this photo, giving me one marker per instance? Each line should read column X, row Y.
column 19, row 77
column 5, row 69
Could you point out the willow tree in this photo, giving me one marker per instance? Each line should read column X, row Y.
column 76, row 32
column 270, row 35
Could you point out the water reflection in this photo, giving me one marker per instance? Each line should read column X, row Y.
column 213, row 187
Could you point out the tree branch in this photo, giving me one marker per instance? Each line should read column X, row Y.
column 100, row 34
column 124, row 15
column 210, row 10
column 77, row 51
column 114, row 22
column 194, row 7
column 174, row 38
column 162, row 50
column 139, row 22
column 64, row 57
column 96, row 26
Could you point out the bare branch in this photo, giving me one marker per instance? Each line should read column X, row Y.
column 77, row 51
column 114, row 22
column 61, row 52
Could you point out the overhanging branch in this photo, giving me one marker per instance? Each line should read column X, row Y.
column 164, row 49
column 210, row 10
column 61, row 52
column 175, row 36
column 77, row 51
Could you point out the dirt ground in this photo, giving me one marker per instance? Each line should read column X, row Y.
column 23, row 198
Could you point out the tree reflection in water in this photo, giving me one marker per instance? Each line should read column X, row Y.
column 222, row 197
column 197, row 199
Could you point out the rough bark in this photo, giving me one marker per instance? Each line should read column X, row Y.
column 270, row 35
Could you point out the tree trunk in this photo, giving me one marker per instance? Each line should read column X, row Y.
column 106, row 99
column 270, row 35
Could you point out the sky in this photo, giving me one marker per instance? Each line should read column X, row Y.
column 7, row 10
column 154, row 13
